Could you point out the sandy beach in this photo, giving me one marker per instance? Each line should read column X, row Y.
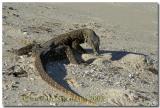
column 126, row 73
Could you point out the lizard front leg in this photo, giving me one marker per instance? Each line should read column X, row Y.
column 70, row 55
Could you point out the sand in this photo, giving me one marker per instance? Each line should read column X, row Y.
column 126, row 73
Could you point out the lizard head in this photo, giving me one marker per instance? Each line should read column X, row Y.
column 92, row 40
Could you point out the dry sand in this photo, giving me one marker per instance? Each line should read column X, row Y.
column 126, row 73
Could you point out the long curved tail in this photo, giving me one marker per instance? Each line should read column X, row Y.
column 39, row 65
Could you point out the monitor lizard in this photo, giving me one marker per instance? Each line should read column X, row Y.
column 66, row 42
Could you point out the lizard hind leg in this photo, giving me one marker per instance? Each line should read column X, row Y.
column 70, row 55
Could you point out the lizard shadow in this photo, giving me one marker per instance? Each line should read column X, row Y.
column 116, row 55
column 57, row 71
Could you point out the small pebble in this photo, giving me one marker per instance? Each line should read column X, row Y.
column 21, row 57
column 86, row 71
column 25, row 33
column 32, row 79
column 117, row 83
column 5, row 97
column 154, row 103
column 53, row 104
column 130, row 76
column 25, row 89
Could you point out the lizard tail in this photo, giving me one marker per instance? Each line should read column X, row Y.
column 39, row 65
